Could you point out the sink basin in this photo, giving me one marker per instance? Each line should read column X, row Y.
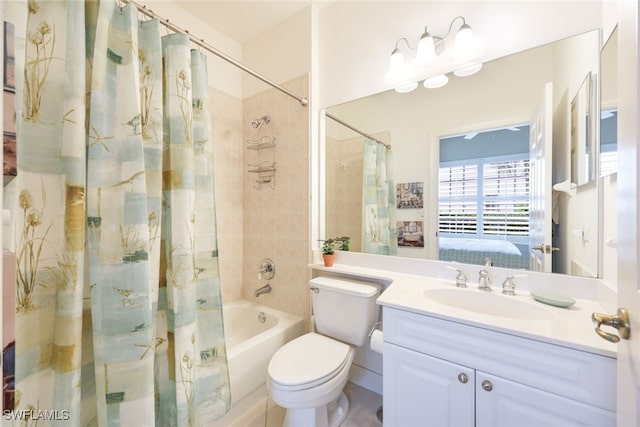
column 491, row 303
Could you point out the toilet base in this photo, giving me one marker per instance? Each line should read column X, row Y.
column 330, row 415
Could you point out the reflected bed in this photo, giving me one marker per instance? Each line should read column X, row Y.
column 474, row 251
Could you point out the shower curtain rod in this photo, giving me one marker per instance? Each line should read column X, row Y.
column 200, row 42
column 332, row 117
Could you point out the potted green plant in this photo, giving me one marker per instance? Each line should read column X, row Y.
column 345, row 242
column 328, row 252
column 329, row 248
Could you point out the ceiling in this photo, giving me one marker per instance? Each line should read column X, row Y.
column 243, row 20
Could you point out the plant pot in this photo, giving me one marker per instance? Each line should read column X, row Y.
column 329, row 259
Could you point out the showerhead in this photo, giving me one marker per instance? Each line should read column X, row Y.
column 258, row 122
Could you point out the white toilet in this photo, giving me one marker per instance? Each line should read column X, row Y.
column 308, row 374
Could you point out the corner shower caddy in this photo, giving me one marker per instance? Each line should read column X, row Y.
column 264, row 168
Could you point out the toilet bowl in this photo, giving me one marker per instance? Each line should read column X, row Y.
column 307, row 376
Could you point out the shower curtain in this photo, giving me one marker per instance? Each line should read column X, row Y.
column 119, row 311
column 380, row 234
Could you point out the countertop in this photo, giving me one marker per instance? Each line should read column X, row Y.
column 569, row 327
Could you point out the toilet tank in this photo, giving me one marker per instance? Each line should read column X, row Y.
column 344, row 309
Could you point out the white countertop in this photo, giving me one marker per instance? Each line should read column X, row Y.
column 570, row 327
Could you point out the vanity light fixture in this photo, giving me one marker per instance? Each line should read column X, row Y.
column 429, row 49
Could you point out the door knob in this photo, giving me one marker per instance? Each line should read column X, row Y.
column 620, row 321
column 545, row 249
column 463, row 378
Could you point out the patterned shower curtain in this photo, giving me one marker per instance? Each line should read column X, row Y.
column 119, row 311
column 380, row 234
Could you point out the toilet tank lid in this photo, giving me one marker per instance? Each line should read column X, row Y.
column 346, row 286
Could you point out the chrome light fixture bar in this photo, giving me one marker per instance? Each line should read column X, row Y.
column 428, row 51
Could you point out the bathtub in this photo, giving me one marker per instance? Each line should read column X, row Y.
column 253, row 333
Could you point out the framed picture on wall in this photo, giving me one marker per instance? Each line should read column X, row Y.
column 9, row 142
column 409, row 195
column 9, row 63
column 411, row 233
column 10, row 169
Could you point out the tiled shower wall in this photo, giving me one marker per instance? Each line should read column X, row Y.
column 228, row 152
column 343, row 196
column 276, row 214
column 265, row 222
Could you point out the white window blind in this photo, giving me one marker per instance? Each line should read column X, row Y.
column 505, row 209
column 458, row 207
column 487, row 197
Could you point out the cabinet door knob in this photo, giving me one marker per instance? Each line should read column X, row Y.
column 486, row 385
column 463, row 378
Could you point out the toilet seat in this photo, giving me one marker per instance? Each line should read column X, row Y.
column 307, row 361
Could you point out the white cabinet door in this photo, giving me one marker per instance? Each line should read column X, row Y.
column 421, row 390
column 501, row 402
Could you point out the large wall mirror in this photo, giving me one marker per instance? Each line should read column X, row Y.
column 460, row 163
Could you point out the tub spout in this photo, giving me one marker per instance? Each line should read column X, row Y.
column 263, row 290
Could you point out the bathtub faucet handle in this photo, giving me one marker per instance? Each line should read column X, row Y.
column 267, row 269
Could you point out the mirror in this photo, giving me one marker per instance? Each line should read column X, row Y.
column 500, row 97
column 609, row 155
column 609, row 106
column 582, row 135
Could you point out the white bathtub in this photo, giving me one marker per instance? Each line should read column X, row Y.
column 252, row 341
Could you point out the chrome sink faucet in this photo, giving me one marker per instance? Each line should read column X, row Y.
column 484, row 281
column 508, row 286
column 461, row 279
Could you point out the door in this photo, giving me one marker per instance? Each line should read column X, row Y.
column 421, row 390
column 540, row 150
column 628, row 181
column 500, row 402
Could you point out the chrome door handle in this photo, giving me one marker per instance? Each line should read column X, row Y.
column 545, row 249
column 620, row 321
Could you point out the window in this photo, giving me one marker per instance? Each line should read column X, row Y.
column 458, row 204
column 485, row 197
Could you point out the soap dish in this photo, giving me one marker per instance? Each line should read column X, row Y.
column 553, row 298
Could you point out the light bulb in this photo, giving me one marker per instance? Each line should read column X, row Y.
column 464, row 44
column 406, row 87
column 436, row 81
column 467, row 70
column 396, row 65
column 426, row 53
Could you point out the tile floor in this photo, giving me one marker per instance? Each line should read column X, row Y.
column 363, row 407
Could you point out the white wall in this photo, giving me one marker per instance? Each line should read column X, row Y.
column 280, row 54
column 222, row 75
column 356, row 38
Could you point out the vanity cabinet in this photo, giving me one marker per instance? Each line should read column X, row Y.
column 443, row 373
